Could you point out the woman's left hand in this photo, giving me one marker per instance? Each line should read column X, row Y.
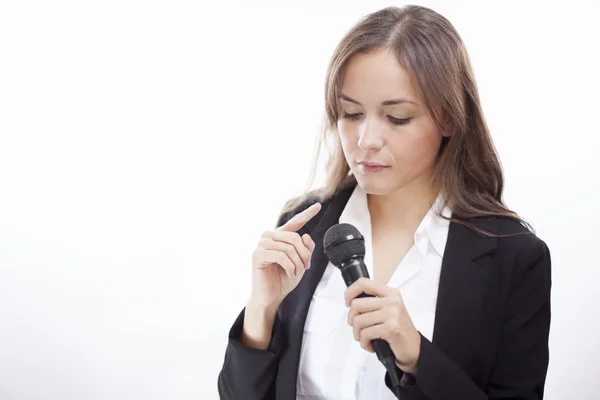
column 383, row 317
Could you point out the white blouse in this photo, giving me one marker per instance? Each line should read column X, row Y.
column 333, row 366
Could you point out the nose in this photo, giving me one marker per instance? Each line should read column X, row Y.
column 369, row 136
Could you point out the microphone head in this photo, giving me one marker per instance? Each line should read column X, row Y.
column 343, row 242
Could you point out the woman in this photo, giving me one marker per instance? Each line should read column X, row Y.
column 462, row 285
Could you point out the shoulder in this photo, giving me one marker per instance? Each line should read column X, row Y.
column 513, row 245
column 518, row 239
column 522, row 250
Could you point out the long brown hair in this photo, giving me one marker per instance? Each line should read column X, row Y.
column 467, row 167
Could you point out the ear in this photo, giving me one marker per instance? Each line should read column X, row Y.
column 447, row 126
column 445, row 121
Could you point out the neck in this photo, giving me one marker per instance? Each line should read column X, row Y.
column 404, row 207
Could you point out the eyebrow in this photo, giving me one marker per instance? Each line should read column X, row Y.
column 385, row 103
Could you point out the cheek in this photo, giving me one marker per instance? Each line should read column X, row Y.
column 348, row 135
column 418, row 146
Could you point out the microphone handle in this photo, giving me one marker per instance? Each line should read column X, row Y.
column 351, row 272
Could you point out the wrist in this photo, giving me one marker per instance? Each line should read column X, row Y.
column 411, row 362
column 413, row 366
column 258, row 324
column 261, row 307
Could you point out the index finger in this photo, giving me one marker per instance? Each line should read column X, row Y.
column 300, row 219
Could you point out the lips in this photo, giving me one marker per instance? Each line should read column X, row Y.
column 372, row 165
column 370, row 168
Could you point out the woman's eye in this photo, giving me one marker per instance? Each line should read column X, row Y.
column 351, row 116
column 398, row 121
column 393, row 120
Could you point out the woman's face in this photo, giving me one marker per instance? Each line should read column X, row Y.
column 383, row 121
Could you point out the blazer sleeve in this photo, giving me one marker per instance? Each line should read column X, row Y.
column 522, row 357
column 249, row 373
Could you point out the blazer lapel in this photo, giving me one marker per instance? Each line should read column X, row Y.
column 297, row 303
column 462, row 287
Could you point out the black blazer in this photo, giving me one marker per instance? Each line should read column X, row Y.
column 492, row 320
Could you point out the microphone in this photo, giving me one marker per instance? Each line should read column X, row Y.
column 344, row 246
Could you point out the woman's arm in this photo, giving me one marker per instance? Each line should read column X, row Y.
column 519, row 372
column 251, row 357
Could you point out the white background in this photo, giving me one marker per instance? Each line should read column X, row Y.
column 145, row 145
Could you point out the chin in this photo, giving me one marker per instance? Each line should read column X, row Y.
column 375, row 186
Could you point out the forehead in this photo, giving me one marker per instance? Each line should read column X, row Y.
column 376, row 77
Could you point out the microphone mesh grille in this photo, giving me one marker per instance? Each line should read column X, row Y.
column 342, row 242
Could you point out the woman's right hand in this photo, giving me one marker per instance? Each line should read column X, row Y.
column 280, row 259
